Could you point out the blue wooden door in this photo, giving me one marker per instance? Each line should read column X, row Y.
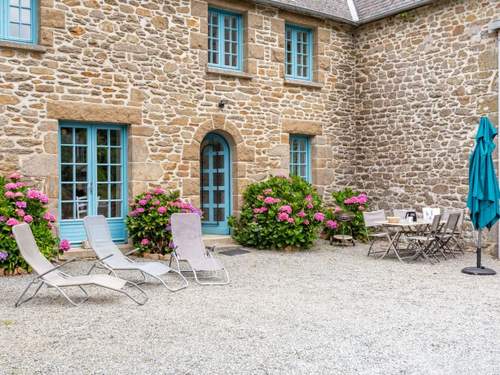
column 92, row 178
column 215, row 184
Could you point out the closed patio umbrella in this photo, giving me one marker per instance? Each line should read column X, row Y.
column 484, row 194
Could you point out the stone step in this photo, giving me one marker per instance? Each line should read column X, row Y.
column 220, row 241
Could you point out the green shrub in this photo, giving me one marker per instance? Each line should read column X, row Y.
column 278, row 213
column 20, row 203
column 347, row 201
column 148, row 222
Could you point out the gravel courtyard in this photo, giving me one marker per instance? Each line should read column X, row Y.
column 326, row 311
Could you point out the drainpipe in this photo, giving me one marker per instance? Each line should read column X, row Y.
column 495, row 27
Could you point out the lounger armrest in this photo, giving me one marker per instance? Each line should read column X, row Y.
column 132, row 251
column 106, row 257
column 57, row 267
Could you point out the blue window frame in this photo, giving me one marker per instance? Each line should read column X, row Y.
column 19, row 21
column 225, row 39
column 300, row 156
column 298, row 51
column 92, row 177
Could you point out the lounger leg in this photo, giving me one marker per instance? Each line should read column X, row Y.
column 146, row 298
column 224, row 282
column 69, row 299
column 20, row 300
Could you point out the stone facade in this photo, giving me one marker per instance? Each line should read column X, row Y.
column 392, row 109
column 423, row 79
column 144, row 64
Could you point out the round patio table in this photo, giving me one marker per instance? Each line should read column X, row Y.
column 344, row 238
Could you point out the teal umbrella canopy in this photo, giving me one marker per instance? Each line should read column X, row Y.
column 484, row 194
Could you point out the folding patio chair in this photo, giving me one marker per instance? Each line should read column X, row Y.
column 52, row 277
column 372, row 220
column 189, row 248
column 112, row 259
column 426, row 243
column 447, row 234
column 458, row 237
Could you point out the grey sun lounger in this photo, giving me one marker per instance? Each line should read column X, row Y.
column 189, row 248
column 112, row 259
column 53, row 277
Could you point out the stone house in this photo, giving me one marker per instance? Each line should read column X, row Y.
column 103, row 99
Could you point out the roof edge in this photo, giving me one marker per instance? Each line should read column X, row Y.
column 393, row 12
column 317, row 14
column 305, row 11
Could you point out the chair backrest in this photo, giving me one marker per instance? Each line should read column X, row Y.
column 446, row 215
column 373, row 218
column 186, row 233
column 81, row 207
column 428, row 213
column 29, row 249
column 401, row 213
column 99, row 237
column 452, row 222
column 436, row 221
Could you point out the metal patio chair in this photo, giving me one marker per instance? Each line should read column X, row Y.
column 112, row 259
column 447, row 234
column 189, row 248
column 372, row 220
column 53, row 277
column 458, row 239
column 426, row 244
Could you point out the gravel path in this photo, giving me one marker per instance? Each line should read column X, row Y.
column 327, row 311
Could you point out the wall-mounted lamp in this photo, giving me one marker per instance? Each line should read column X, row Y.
column 222, row 104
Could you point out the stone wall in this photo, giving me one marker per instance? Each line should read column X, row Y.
column 423, row 79
column 145, row 64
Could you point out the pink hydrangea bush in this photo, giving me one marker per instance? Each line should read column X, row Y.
column 21, row 203
column 148, row 221
column 277, row 213
column 347, row 201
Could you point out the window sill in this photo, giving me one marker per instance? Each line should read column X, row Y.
column 302, row 83
column 229, row 73
column 22, row 46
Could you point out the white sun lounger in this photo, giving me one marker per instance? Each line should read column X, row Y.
column 111, row 258
column 50, row 275
column 189, row 248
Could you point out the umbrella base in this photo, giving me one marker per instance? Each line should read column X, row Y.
column 481, row 271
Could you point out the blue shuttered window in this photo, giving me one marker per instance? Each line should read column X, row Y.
column 225, row 39
column 299, row 51
column 300, row 156
column 19, row 21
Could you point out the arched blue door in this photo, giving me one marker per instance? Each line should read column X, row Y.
column 215, row 184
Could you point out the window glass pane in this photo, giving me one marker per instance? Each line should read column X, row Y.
column 102, row 191
column 66, row 173
column 25, row 3
column 116, row 191
column 25, row 32
column 102, row 208
column 115, row 155
column 81, row 173
column 116, row 209
column 102, row 137
column 204, row 196
column 81, row 190
column 205, row 214
column 102, row 155
column 115, row 173
column 67, row 210
column 67, row 192
column 66, row 154
column 26, row 16
column 219, row 197
column 14, row 14
column 81, row 136
column 102, row 173
column 114, row 137
column 81, row 154
column 66, row 136
column 14, row 30
column 14, row 2
column 219, row 214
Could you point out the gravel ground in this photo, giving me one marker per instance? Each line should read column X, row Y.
column 326, row 311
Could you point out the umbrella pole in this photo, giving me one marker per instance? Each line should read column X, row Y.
column 478, row 270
